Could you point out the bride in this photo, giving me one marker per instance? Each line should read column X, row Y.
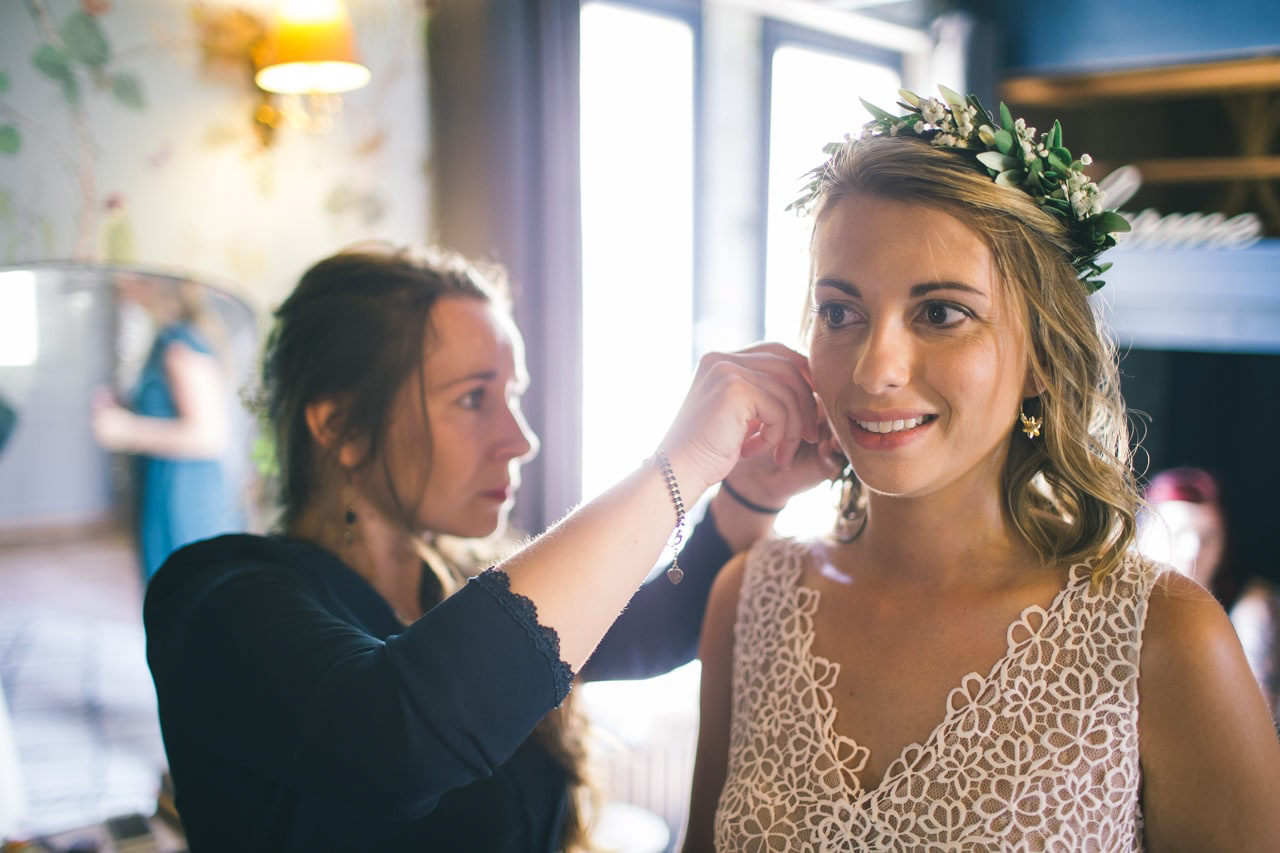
column 977, row 658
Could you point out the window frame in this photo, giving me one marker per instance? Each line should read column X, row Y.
column 777, row 34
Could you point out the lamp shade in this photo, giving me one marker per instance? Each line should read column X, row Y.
column 311, row 49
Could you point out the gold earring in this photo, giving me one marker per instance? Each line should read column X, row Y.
column 1030, row 426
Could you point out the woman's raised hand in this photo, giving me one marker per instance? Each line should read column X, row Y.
column 742, row 404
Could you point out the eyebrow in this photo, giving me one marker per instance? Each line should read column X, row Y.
column 522, row 382
column 916, row 289
column 478, row 376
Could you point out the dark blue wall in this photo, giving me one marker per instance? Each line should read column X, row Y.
column 1047, row 36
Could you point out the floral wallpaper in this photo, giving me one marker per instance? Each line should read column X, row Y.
column 131, row 132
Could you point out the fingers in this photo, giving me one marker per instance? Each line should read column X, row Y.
column 770, row 412
column 785, row 373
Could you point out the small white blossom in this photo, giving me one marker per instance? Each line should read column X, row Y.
column 948, row 140
column 933, row 110
column 1085, row 159
column 1080, row 203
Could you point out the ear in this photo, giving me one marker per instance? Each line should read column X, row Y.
column 326, row 422
column 1032, row 386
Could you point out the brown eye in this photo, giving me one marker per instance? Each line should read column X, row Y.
column 943, row 314
column 473, row 399
column 834, row 315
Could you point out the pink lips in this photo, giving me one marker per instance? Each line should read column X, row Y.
column 499, row 495
column 868, row 440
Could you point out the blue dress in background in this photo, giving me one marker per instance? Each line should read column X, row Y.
column 179, row 500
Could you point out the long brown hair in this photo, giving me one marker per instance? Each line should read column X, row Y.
column 1070, row 492
column 355, row 329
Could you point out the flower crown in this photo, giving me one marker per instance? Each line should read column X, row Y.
column 1011, row 154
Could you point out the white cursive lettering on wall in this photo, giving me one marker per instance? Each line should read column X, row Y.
column 1151, row 230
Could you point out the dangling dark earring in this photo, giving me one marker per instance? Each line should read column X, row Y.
column 349, row 531
column 852, row 518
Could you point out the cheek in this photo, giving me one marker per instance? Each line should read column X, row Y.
column 984, row 372
column 830, row 367
column 454, row 455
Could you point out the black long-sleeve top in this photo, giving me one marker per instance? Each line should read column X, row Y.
column 298, row 713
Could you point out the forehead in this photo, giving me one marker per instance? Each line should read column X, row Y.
column 869, row 240
column 466, row 336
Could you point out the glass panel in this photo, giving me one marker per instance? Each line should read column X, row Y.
column 80, row 337
column 814, row 100
column 637, row 233
column 71, row 584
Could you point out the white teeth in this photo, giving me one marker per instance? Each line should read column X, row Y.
column 891, row 426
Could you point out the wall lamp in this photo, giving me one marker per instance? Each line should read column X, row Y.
column 308, row 55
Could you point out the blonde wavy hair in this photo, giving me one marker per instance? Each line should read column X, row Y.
column 1071, row 492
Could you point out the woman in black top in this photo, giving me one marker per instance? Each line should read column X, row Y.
column 327, row 688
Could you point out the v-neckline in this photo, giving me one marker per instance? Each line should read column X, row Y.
column 972, row 683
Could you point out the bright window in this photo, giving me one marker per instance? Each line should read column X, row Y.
column 637, row 114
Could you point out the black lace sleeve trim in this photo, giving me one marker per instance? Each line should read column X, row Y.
column 523, row 610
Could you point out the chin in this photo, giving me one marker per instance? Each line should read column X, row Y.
column 478, row 526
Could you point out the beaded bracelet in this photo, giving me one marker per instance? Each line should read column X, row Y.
column 749, row 504
column 674, row 574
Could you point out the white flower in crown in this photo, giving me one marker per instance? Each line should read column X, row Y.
column 933, row 110
column 1080, row 202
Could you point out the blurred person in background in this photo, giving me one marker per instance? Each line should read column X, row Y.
column 174, row 422
column 1188, row 528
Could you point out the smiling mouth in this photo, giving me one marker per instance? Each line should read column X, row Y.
column 895, row 426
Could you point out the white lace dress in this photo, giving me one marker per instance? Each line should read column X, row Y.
column 1041, row 754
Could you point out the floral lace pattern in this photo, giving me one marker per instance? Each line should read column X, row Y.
column 1041, row 754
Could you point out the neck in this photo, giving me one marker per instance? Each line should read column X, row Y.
column 381, row 551
column 957, row 537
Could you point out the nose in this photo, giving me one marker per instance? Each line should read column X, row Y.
column 884, row 361
column 519, row 441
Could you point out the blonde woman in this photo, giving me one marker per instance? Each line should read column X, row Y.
column 977, row 658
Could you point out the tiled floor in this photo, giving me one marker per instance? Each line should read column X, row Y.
column 75, row 678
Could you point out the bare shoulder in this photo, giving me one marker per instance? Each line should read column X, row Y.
column 768, row 556
column 1187, row 634
column 728, row 584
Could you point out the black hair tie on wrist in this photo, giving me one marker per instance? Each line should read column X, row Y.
column 751, row 505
